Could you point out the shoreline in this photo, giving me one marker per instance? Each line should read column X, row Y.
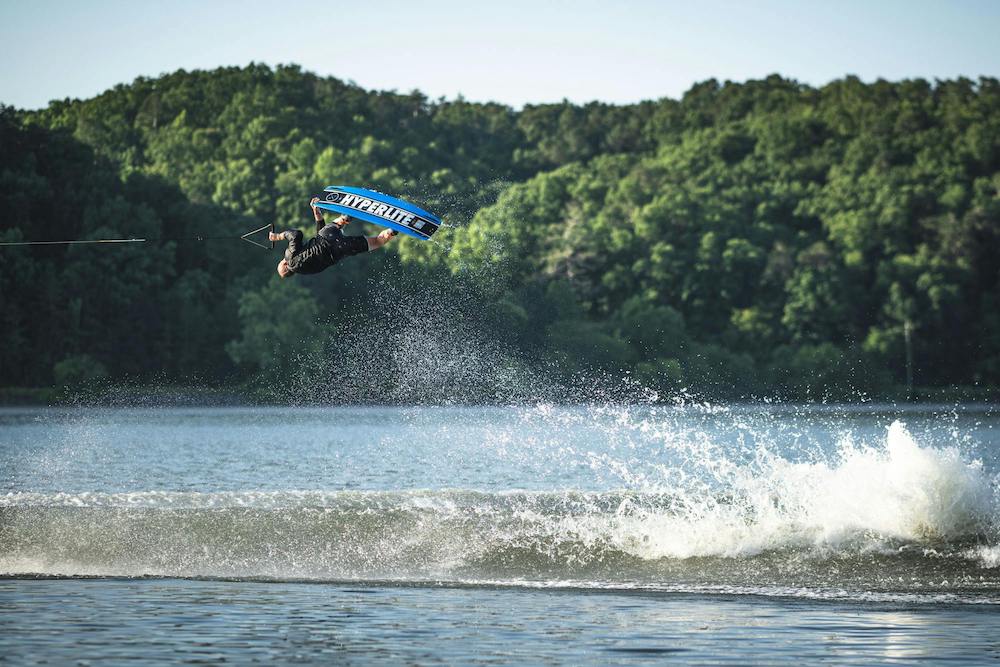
column 155, row 395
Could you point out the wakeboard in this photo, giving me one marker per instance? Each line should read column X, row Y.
column 380, row 209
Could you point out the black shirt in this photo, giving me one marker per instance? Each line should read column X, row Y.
column 322, row 251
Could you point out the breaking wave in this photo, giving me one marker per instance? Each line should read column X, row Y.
column 898, row 517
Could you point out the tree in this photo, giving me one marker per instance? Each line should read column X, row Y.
column 278, row 327
column 736, row 239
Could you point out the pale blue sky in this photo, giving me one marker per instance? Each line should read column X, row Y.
column 513, row 52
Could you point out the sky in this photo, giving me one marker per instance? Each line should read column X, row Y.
column 515, row 52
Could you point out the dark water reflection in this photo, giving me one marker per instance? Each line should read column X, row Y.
column 149, row 621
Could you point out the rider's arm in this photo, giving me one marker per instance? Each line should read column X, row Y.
column 317, row 213
column 293, row 236
column 376, row 242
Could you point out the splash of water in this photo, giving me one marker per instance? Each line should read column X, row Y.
column 892, row 515
column 865, row 498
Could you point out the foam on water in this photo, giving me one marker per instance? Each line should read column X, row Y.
column 868, row 498
column 986, row 555
column 871, row 519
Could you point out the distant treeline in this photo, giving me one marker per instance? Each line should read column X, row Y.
column 765, row 238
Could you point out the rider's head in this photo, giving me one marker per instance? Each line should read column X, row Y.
column 283, row 269
column 344, row 220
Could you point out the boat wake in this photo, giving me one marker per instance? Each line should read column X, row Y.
column 897, row 519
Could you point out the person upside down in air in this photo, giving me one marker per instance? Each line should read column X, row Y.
column 328, row 247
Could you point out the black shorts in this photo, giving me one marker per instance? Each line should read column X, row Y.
column 346, row 246
column 342, row 246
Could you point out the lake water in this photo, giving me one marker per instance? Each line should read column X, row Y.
column 527, row 534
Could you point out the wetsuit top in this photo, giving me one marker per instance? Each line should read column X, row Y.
column 322, row 251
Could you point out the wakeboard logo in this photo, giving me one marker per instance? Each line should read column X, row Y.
column 372, row 207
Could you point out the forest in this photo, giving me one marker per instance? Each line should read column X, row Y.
column 764, row 239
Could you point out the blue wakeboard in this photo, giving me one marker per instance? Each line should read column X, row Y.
column 380, row 209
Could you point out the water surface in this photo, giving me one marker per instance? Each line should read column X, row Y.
column 600, row 533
